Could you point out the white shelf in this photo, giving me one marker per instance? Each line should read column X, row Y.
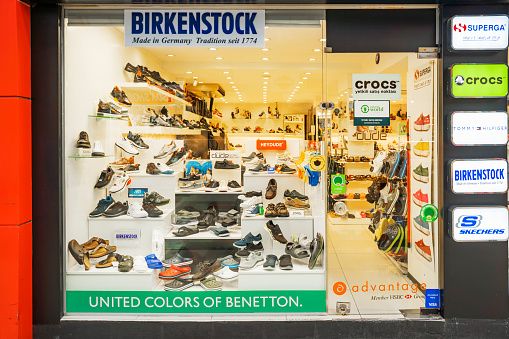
column 80, row 269
column 262, row 217
column 298, row 268
column 164, row 130
column 209, row 193
column 141, row 85
column 275, row 175
column 205, row 235
column 129, row 218
column 142, row 174
column 293, row 122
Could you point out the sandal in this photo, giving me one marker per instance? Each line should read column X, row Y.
column 79, row 253
column 108, row 262
column 296, row 250
column 153, row 262
column 126, row 263
column 185, row 231
column 94, row 242
column 178, row 284
column 102, row 251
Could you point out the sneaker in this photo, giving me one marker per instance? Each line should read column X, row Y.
column 285, row 262
column 187, row 186
column 105, row 178
column 136, row 210
column 250, row 247
column 230, row 262
column 251, row 202
column 207, row 269
column 121, row 182
column 275, row 232
column 234, row 186
column 98, row 150
column 285, row 169
column 253, row 211
column 226, row 274
column 421, row 174
column 296, row 203
column 132, row 168
column 284, row 158
column 108, row 109
column 254, row 259
column 211, row 186
column 270, row 262
column 316, row 249
column 152, row 210
column 175, row 272
column 211, row 284
column 378, row 162
column 422, row 123
column 249, row 238
column 122, row 162
column 421, row 225
column 254, row 161
column 136, row 140
column 419, row 198
column 423, row 250
column 223, row 187
column 155, row 199
column 152, row 169
column 165, row 150
column 177, row 157
column 260, row 168
column 164, row 169
column 295, row 194
column 126, row 146
column 225, row 164
column 250, row 194
column 421, row 149
column 102, row 205
column 83, row 141
column 178, row 284
column 120, row 97
column 116, row 209
column 392, row 161
column 177, row 260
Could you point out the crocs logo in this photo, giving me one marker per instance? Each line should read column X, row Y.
column 339, row 288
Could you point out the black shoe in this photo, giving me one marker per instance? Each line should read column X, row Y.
column 116, row 209
column 164, row 111
column 132, row 168
column 316, row 249
column 285, row 262
column 211, row 186
column 192, row 177
column 234, row 186
column 284, row 169
column 275, row 232
column 152, row 210
column 105, row 178
column 120, row 96
column 225, row 164
column 251, row 194
column 136, row 140
column 259, row 168
column 295, row 194
column 177, row 157
column 244, row 253
column 83, row 141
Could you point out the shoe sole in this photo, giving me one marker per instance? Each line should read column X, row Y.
column 174, row 276
column 211, row 289
column 137, row 146
column 286, row 268
column 298, row 208
column 421, row 128
column 210, row 189
column 179, row 288
column 123, row 149
column 132, row 216
column 115, row 215
column 420, row 229
column 185, row 263
column 252, row 267
column 230, row 266
column 251, row 215
column 418, row 202
column 314, row 257
column 127, row 183
column 161, row 156
column 420, row 178
column 98, row 154
column 235, row 189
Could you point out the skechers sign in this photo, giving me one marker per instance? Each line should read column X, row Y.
column 197, row 28
column 479, row 80
column 376, row 86
column 479, row 176
column 479, row 32
column 487, row 223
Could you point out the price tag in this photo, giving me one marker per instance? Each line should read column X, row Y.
column 296, row 214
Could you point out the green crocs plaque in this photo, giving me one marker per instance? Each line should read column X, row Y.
column 429, row 213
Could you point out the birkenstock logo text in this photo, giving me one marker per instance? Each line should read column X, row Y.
column 126, row 236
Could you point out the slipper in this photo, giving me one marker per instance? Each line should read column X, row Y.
column 107, row 249
column 108, row 262
column 125, row 264
column 94, row 242
column 153, row 262
column 296, row 250
column 185, row 231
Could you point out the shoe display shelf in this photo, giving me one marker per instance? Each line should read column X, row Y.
column 202, row 191
column 88, row 156
column 144, row 94
column 148, row 131
column 122, row 118
column 228, row 285
column 234, row 235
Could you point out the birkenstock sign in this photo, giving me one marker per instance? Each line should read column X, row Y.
column 196, row 28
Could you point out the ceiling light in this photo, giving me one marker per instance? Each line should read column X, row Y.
column 189, row 72
column 267, row 39
column 265, row 59
column 301, row 82
column 297, row 86
column 219, row 58
column 316, row 50
column 266, row 26
column 266, row 73
column 264, row 87
column 200, row 82
column 265, row 82
column 312, row 59
column 323, row 39
column 296, row 90
column 226, row 102
column 341, row 94
column 228, row 78
column 346, row 92
column 293, row 92
column 195, row 77
column 170, row 55
column 231, row 82
column 212, row 48
column 265, row 78
column 226, row 72
column 308, row 73
column 237, row 92
column 304, row 78
column 265, row 49
column 393, row 100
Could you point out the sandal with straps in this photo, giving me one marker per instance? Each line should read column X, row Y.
column 296, row 250
column 185, row 231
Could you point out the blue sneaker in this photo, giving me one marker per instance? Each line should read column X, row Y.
column 102, row 206
column 253, row 211
column 249, row 238
column 421, row 225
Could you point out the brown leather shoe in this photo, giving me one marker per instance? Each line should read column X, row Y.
column 207, row 269
column 94, row 242
column 79, row 253
column 152, row 169
column 102, row 251
column 271, row 191
column 296, row 203
column 270, row 211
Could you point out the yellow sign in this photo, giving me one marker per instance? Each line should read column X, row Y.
column 317, row 162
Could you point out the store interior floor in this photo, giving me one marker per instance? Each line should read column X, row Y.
column 353, row 258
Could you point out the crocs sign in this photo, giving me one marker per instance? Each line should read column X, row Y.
column 196, row 28
column 376, row 86
column 479, row 81
column 479, row 32
column 486, row 223
column 270, row 144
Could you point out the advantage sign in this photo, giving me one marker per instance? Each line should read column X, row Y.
column 371, row 113
column 479, row 80
column 194, row 28
column 487, row 223
column 479, row 32
column 479, row 176
column 479, row 128
column 376, row 86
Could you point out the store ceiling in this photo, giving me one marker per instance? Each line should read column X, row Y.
column 293, row 63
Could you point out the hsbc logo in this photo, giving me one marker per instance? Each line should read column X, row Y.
column 460, row 28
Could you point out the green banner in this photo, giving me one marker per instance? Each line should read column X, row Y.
column 479, row 80
column 337, row 184
column 195, row 302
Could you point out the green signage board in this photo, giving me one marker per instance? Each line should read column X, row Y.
column 479, row 80
column 337, row 184
column 196, row 302
column 429, row 213
column 371, row 113
column 402, row 128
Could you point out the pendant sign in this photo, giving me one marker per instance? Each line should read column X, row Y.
column 486, row 223
column 194, row 28
column 487, row 32
column 479, row 128
column 479, row 81
column 479, row 176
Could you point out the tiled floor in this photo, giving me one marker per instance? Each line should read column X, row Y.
column 354, row 259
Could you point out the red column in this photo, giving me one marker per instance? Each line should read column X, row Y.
column 16, row 173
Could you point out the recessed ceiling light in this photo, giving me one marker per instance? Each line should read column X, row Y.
column 393, row 100
column 228, row 78
column 189, row 72
column 323, row 39
column 309, row 59
column 265, row 49
column 265, row 82
column 301, row 82
column 265, row 78
column 266, row 26
column 291, row 95
column 308, row 73
column 264, row 87
column 226, row 102
column 304, row 78
column 296, row 90
column 297, row 86
column 316, row 50
column 293, row 92
column 219, row 58
column 170, row 55
column 200, row 82
column 346, row 92
column 212, row 48
column 267, row 39
column 231, row 82
column 341, row 94
column 265, row 59
column 237, row 92
column 226, row 72
column 266, row 73
column 195, row 77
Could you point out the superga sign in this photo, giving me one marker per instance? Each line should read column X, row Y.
column 486, row 223
column 479, row 32
column 479, row 80
column 479, row 176
column 196, row 28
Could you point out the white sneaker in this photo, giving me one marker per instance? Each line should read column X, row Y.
column 98, row 150
column 126, row 146
column 254, row 259
column 121, row 182
column 255, row 161
column 166, row 150
column 164, row 169
column 223, row 187
column 226, row 274
column 378, row 162
column 251, row 201
column 136, row 211
column 284, row 158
